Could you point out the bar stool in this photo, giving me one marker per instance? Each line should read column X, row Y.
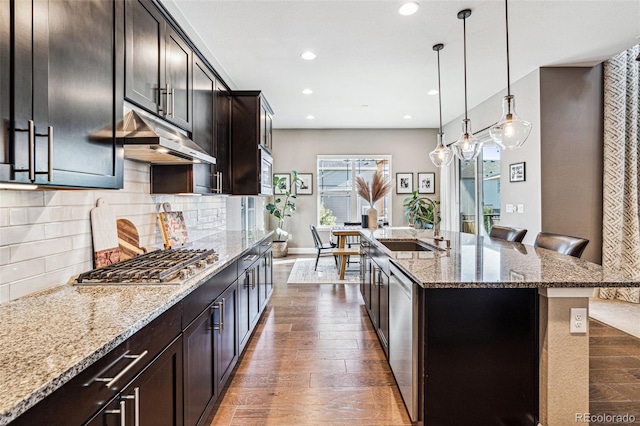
column 564, row 244
column 506, row 233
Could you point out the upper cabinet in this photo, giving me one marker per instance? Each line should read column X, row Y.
column 251, row 144
column 66, row 101
column 159, row 65
column 224, row 167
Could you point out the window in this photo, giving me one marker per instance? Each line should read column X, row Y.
column 338, row 201
column 480, row 191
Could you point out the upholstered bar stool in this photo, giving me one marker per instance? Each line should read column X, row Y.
column 506, row 233
column 564, row 244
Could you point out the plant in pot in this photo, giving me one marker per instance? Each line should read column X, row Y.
column 281, row 208
column 419, row 211
column 373, row 191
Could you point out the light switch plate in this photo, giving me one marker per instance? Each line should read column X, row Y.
column 520, row 208
column 579, row 320
column 509, row 208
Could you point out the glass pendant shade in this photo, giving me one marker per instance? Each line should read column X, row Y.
column 511, row 131
column 467, row 147
column 442, row 155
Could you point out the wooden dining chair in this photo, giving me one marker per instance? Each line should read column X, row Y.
column 564, row 244
column 320, row 246
column 506, row 233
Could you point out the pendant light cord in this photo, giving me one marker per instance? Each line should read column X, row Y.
column 439, row 92
column 506, row 18
column 464, row 32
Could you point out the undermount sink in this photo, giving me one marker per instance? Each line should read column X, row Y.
column 407, row 245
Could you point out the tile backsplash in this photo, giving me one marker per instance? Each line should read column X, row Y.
column 45, row 236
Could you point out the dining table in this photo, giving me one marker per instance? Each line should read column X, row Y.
column 342, row 252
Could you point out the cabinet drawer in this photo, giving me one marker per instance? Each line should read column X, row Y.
column 84, row 395
column 202, row 297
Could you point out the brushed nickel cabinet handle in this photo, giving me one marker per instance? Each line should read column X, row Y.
column 216, row 306
column 253, row 278
column 136, row 405
column 173, row 103
column 50, row 153
column 112, row 380
column 222, row 316
column 32, row 151
column 122, row 411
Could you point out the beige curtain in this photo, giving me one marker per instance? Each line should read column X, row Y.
column 621, row 192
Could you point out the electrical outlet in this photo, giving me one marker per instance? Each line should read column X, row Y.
column 509, row 208
column 578, row 323
column 520, row 208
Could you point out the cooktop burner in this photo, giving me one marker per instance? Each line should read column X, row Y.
column 157, row 267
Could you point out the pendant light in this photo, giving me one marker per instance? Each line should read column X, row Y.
column 467, row 147
column 442, row 155
column 511, row 131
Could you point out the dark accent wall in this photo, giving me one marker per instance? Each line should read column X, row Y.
column 571, row 112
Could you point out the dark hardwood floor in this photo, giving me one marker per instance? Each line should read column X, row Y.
column 314, row 359
column 614, row 372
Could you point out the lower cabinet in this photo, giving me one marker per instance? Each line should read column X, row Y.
column 154, row 397
column 226, row 335
column 266, row 274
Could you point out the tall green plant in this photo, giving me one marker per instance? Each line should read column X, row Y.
column 283, row 205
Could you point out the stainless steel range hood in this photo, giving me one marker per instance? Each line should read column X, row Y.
column 149, row 140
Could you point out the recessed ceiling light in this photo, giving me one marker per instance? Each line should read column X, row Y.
column 432, row 92
column 408, row 8
column 364, row 106
column 310, row 117
column 308, row 55
column 407, row 117
column 307, row 91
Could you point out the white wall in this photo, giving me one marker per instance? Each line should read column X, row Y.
column 298, row 150
column 45, row 236
column 527, row 95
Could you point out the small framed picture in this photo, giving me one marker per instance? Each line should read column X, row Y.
column 517, row 172
column 281, row 183
column 305, row 186
column 404, row 183
column 426, row 183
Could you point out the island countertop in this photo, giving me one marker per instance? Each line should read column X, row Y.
column 481, row 262
column 49, row 337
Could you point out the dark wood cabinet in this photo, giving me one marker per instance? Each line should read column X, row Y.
column 158, row 65
column 153, row 398
column 248, row 142
column 226, row 335
column 181, row 179
column 223, row 167
column 266, row 277
column 199, row 359
column 374, row 287
column 248, row 296
column 66, row 102
column 5, row 88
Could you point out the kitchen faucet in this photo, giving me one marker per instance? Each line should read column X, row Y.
column 436, row 217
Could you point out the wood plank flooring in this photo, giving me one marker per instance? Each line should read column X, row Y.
column 614, row 371
column 314, row 359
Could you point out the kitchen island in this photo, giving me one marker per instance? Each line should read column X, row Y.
column 49, row 339
column 477, row 330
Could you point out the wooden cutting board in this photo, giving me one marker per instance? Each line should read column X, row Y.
column 105, row 234
column 128, row 239
column 172, row 227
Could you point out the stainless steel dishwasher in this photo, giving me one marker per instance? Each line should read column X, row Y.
column 403, row 337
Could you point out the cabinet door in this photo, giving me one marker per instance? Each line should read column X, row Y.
column 67, row 102
column 268, row 274
column 199, row 382
column 204, row 88
column 226, row 342
column 178, row 66
column 269, row 131
column 244, row 287
column 254, row 289
column 155, row 396
column 223, row 138
column 383, row 318
column 5, row 81
column 144, row 55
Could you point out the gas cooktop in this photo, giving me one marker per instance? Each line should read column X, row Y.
column 157, row 267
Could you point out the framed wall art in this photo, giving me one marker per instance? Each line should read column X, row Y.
column 517, row 172
column 404, row 183
column 305, row 187
column 426, row 183
column 287, row 183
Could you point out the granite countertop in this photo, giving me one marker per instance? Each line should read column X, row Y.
column 482, row 262
column 49, row 337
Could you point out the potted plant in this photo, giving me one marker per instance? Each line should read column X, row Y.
column 419, row 211
column 372, row 192
column 281, row 208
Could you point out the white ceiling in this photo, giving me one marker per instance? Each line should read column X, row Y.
column 368, row 54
